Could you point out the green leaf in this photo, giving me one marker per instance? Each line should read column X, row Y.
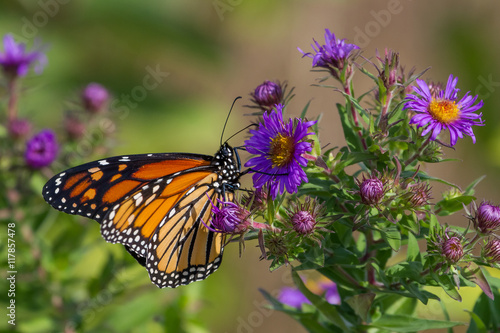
column 351, row 158
column 413, row 288
column 447, row 284
column 304, row 110
column 488, row 311
column 474, row 273
column 406, row 270
column 327, row 309
column 423, row 176
column 351, row 137
column 395, row 304
column 313, row 258
column 470, row 189
column 399, row 323
column 413, row 251
column 447, row 207
column 476, row 324
column 361, row 304
column 410, row 222
column 134, row 312
column 392, row 236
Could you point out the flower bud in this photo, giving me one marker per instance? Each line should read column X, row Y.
column 371, row 191
column 487, row 218
column 452, row 249
column 74, row 127
column 95, row 97
column 491, row 251
column 267, row 95
column 304, row 217
column 420, row 195
column 303, row 222
column 19, row 128
column 276, row 245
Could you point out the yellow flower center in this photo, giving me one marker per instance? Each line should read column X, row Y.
column 282, row 149
column 444, row 111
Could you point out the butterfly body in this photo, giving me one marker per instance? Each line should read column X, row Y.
column 157, row 205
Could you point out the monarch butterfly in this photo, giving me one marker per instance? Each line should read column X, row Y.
column 157, row 205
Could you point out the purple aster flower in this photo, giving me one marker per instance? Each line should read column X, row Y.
column 41, row 149
column 371, row 190
column 229, row 218
column 332, row 55
column 487, row 218
column 16, row 61
column 332, row 295
column 279, row 147
column 491, row 251
column 292, row 297
column 267, row 95
column 95, row 97
column 441, row 110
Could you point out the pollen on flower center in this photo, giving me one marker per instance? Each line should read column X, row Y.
column 282, row 150
column 444, row 111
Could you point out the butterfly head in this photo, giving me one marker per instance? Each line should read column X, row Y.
column 228, row 167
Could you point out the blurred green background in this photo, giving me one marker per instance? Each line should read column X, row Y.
column 214, row 51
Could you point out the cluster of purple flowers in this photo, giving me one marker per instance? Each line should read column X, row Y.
column 42, row 149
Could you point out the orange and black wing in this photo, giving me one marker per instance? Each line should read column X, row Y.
column 156, row 205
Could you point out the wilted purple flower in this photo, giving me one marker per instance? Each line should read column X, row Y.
column 267, row 95
column 487, row 218
column 371, row 190
column 279, row 147
column 16, row 61
column 95, row 97
column 41, row 150
column 452, row 248
column 443, row 111
column 19, row 128
column 255, row 200
column 333, row 54
column 491, row 251
column 228, row 218
column 292, row 297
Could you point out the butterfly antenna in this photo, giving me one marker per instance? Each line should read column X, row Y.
column 241, row 130
column 227, row 118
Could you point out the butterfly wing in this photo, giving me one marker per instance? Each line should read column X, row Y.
column 154, row 204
